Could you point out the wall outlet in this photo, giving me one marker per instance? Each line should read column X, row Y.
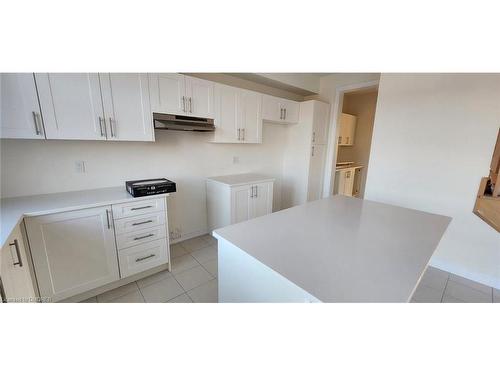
column 236, row 159
column 175, row 233
column 80, row 166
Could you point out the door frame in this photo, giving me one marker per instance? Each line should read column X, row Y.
column 333, row 128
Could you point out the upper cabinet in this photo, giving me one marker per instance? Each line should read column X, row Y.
column 280, row 110
column 91, row 106
column 347, row 129
column 127, row 111
column 181, row 95
column 320, row 123
column 238, row 116
column 20, row 114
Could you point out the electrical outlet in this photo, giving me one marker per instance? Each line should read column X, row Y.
column 236, row 159
column 80, row 166
column 175, row 233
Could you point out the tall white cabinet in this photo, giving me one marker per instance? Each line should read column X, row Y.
column 305, row 153
column 20, row 113
column 235, row 198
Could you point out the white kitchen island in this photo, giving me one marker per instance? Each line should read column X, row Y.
column 337, row 249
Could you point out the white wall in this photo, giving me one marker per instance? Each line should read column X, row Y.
column 433, row 140
column 38, row 167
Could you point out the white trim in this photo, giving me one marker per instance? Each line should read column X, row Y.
column 335, row 110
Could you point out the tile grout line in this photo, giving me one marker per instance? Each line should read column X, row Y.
column 140, row 292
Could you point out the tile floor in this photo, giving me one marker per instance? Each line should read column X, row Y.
column 193, row 277
column 439, row 286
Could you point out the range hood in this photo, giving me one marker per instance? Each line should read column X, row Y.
column 180, row 122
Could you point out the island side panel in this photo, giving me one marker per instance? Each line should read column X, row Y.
column 243, row 278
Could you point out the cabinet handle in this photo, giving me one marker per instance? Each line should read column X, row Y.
column 143, row 237
column 239, row 132
column 243, row 136
column 340, row 140
column 256, row 191
column 143, row 222
column 144, row 258
column 112, row 127
column 191, row 104
column 312, row 152
column 251, row 191
column 314, row 136
column 281, row 113
column 103, row 134
column 36, row 120
column 284, row 113
column 18, row 253
column 184, row 104
column 139, row 208
column 2, row 292
column 108, row 212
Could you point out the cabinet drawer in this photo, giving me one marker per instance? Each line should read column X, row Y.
column 138, row 208
column 139, row 222
column 142, row 257
column 137, row 237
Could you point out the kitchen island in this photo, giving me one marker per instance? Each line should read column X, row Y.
column 337, row 249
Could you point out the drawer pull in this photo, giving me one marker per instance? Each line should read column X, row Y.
column 143, row 222
column 146, row 236
column 139, row 208
column 18, row 253
column 146, row 257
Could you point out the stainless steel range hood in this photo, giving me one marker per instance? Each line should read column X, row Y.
column 180, row 122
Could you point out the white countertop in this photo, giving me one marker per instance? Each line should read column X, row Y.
column 342, row 249
column 241, row 179
column 12, row 210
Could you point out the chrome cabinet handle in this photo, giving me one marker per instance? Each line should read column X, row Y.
column 112, row 128
column 281, row 113
column 184, row 104
column 239, row 132
column 251, row 191
column 243, row 131
column 3, row 297
column 139, row 208
column 340, row 139
column 144, row 258
column 190, row 105
column 284, row 113
column 103, row 134
column 256, row 191
column 314, row 136
column 36, row 120
column 18, row 253
column 142, row 237
column 143, row 222
column 312, row 152
column 108, row 212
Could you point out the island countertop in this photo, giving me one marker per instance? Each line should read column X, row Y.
column 12, row 210
column 342, row 249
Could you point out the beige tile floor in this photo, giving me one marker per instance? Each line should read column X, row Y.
column 193, row 277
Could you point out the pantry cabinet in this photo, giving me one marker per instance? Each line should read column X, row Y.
column 279, row 110
column 316, row 169
column 181, row 95
column 347, row 129
column 20, row 113
column 127, row 110
column 238, row 116
column 73, row 252
column 236, row 198
column 16, row 282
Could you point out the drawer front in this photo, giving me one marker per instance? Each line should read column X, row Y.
column 138, row 222
column 143, row 257
column 137, row 237
column 138, row 208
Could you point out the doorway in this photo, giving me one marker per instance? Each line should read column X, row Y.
column 353, row 126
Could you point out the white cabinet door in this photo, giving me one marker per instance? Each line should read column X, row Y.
column 200, row 97
column 20, row 115
column 73, row 252
column 14, row 273
column 346, row 182
column 271, row 108
column 320, row 123
column 71, row 105
column 316, row 165
column 261, row 199
column 290, row 111
column 251, row 116
column 227, row 114
column 168, row 93
column 241, row 205
column 126, row 106
column 347, row 129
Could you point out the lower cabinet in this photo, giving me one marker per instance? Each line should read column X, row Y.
column 229, row 203
column 348, row 181
column 73, row 252
column 142, row 257
column 16, row 283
